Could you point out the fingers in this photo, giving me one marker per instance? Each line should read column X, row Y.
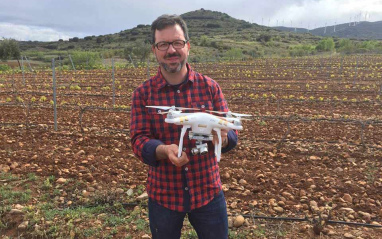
column 173, row 156
column 224, row 135
column 179, row 162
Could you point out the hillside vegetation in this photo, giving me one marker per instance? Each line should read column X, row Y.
column 214, row 36
column 360, row 31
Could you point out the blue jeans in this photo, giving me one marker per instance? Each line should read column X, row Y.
column 209, row 221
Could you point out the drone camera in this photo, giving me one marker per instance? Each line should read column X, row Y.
column 203, row 150
column 200, row 149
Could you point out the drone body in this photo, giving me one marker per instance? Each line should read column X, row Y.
column 201, row 125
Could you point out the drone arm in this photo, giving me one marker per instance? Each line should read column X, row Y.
column 184, row 129
column 219, row 144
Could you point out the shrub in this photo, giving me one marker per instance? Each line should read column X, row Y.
column 302, row 50
column 326, row 44
column 213, row 25
column 87, row 59
column 234, row 53
column 204, row 41
column 264, row 38
column 99, row 39
column 74, row 39
column 9, row 49
column 4, row 67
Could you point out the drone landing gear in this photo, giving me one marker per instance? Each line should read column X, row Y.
column 201, row 148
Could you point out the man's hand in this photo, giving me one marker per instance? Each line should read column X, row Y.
column 171, row 152
column 224, row 133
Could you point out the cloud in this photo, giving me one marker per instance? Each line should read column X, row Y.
column 63, row 19
column 318, row 13
column 25, row 33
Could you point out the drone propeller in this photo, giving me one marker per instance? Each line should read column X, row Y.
column 170, row 107
column 239, row 115
column 229, row 113
column 233, row 119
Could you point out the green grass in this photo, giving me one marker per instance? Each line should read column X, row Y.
column 9, row 196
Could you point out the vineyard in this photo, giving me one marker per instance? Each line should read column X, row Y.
column 313, row 150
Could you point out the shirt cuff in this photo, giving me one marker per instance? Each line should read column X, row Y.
column 232, row 141
column 149, row 152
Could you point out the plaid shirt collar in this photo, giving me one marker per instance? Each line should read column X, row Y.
column 160, row 82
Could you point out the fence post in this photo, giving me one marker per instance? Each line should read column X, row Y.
column 131, row 59
column 103, row 61
column 72, row 63
column 112, row 65
column 148, row 67
column 29, row 64
column 342, row 61
column 60, row 60
column 22, row 69
column 54, row 95
column 356, row 70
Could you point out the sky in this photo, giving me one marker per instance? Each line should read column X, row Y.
column 51, row 20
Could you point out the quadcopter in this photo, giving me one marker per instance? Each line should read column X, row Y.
column 201, row 125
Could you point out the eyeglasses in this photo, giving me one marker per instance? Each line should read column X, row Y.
column 164, row 45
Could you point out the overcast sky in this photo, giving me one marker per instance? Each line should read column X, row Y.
column 50, row 20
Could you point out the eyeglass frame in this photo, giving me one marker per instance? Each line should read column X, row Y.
column 171, row 43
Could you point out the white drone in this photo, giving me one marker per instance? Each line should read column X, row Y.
column 201, row 125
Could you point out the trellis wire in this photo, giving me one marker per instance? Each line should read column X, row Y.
column 287, row 119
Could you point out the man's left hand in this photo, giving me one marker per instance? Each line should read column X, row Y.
column 224, row 133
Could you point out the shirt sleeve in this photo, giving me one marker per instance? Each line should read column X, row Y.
column 232, row 141
column 149, row 152
column 143, row 143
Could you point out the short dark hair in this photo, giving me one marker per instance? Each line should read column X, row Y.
column 168, row 20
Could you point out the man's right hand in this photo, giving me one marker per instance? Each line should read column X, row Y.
column 171, row 152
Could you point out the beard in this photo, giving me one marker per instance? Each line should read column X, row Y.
column 172, row 68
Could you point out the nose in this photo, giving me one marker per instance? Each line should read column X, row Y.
column 171, row 48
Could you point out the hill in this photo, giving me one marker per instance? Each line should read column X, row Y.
column 213, row 35
column 360, row 31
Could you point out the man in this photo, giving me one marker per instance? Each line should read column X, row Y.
column 188, row 185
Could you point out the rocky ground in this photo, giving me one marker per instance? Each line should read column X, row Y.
column 312, row 153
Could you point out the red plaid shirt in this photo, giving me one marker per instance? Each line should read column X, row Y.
column 196, row 183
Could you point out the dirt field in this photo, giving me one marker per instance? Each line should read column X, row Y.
column 313, row 150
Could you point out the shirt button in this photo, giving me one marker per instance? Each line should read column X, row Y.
column 178, row 91
column 184, row 149
column 186, row 169
column 186, row 188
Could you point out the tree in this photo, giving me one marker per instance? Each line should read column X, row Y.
column 204, row 41
column 74, row 39
column 234, row 53
column 326, row 44
column 138, row 49
column 264, row 38
column 85, row 60
column 9, row 49
column 142, row 50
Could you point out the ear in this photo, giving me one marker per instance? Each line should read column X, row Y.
column 189, row 47
column 153, row 48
